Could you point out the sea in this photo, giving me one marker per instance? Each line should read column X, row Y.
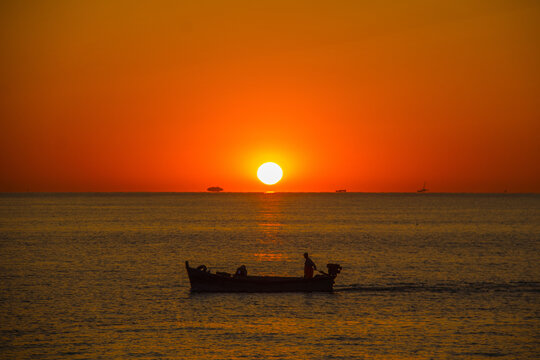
column 425, row 276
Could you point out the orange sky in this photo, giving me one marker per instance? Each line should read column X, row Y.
column 182, row 95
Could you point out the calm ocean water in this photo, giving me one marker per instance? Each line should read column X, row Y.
column 426, row 276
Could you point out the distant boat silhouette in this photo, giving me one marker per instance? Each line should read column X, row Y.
column 214, row 189
column 423, row 189
column 341, row 190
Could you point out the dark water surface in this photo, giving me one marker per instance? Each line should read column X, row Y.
column 426, row 276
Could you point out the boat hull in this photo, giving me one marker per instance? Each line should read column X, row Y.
column 202, row 281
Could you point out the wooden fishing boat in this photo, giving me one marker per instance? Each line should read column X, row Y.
column 203, row 280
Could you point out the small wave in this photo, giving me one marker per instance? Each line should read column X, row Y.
column 462, row 287
column 482, row 354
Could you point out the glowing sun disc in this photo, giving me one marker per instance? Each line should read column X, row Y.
column 269, row 173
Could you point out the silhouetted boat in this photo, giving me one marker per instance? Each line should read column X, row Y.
column 341, row 190
column 214, row 189
column 423, row 189
column 203, row 281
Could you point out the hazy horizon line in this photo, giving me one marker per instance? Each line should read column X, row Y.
column 263, row 192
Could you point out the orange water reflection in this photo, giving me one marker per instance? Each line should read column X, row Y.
column 269, row 216
column 269, row 256
column 270, row 225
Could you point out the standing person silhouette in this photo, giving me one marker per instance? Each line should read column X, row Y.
column 309, row 266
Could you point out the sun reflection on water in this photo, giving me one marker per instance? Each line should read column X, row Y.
column 269, row 256
column 270, row 225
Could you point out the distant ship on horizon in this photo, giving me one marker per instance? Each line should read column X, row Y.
column 423, row 189
column 341, row 190
column 214, row 189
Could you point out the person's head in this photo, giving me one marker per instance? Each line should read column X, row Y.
column 306, row 255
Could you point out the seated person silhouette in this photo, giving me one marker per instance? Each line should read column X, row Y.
column 241, row 271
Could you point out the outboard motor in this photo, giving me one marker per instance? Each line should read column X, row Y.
column 333, row 269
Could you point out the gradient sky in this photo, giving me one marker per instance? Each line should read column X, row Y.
column 182, row 95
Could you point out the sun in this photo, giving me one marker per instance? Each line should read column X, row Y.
column 269, row 173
